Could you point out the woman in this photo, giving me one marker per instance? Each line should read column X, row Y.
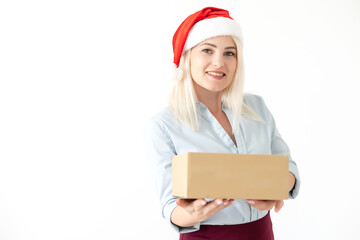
column 208, row 112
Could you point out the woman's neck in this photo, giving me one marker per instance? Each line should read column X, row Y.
column 212, row 100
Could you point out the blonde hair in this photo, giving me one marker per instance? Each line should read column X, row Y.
column 183, row 100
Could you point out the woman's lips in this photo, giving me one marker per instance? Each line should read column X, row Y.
column 216, row 75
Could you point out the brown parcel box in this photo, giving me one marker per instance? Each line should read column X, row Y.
column 228, row 175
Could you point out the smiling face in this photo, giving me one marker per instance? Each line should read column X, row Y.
column 213, row 63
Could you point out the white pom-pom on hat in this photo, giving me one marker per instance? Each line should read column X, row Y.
column 178, row 73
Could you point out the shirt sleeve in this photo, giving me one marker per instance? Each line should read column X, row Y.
column 160, row 150
column 279, row 146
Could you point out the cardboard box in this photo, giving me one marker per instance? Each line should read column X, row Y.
column 227, row 175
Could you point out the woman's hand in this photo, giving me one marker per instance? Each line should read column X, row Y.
column 198, row 210
column 263, row 205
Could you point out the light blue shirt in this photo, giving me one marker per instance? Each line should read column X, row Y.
column 166, row 137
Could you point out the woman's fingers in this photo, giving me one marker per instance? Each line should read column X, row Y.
column 218, row 204
column 203, row 209
column 278, row 205
column 183, row 202
column 191, row 204
column 251, row 202
column 211, row 208
column 263, row 205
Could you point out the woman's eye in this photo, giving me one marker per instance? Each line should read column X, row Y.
column 230, row 54
column 207, row 50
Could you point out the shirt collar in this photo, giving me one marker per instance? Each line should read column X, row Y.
column 203, row 107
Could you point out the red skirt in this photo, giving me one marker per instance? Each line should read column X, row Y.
column 257, row 230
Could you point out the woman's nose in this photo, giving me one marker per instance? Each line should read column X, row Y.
column 218, row 60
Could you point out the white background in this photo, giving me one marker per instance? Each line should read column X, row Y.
column 80, row 79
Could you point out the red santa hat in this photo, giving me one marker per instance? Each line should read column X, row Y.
column 204, row 24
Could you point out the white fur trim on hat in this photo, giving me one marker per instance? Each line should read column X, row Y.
column 212, row 27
